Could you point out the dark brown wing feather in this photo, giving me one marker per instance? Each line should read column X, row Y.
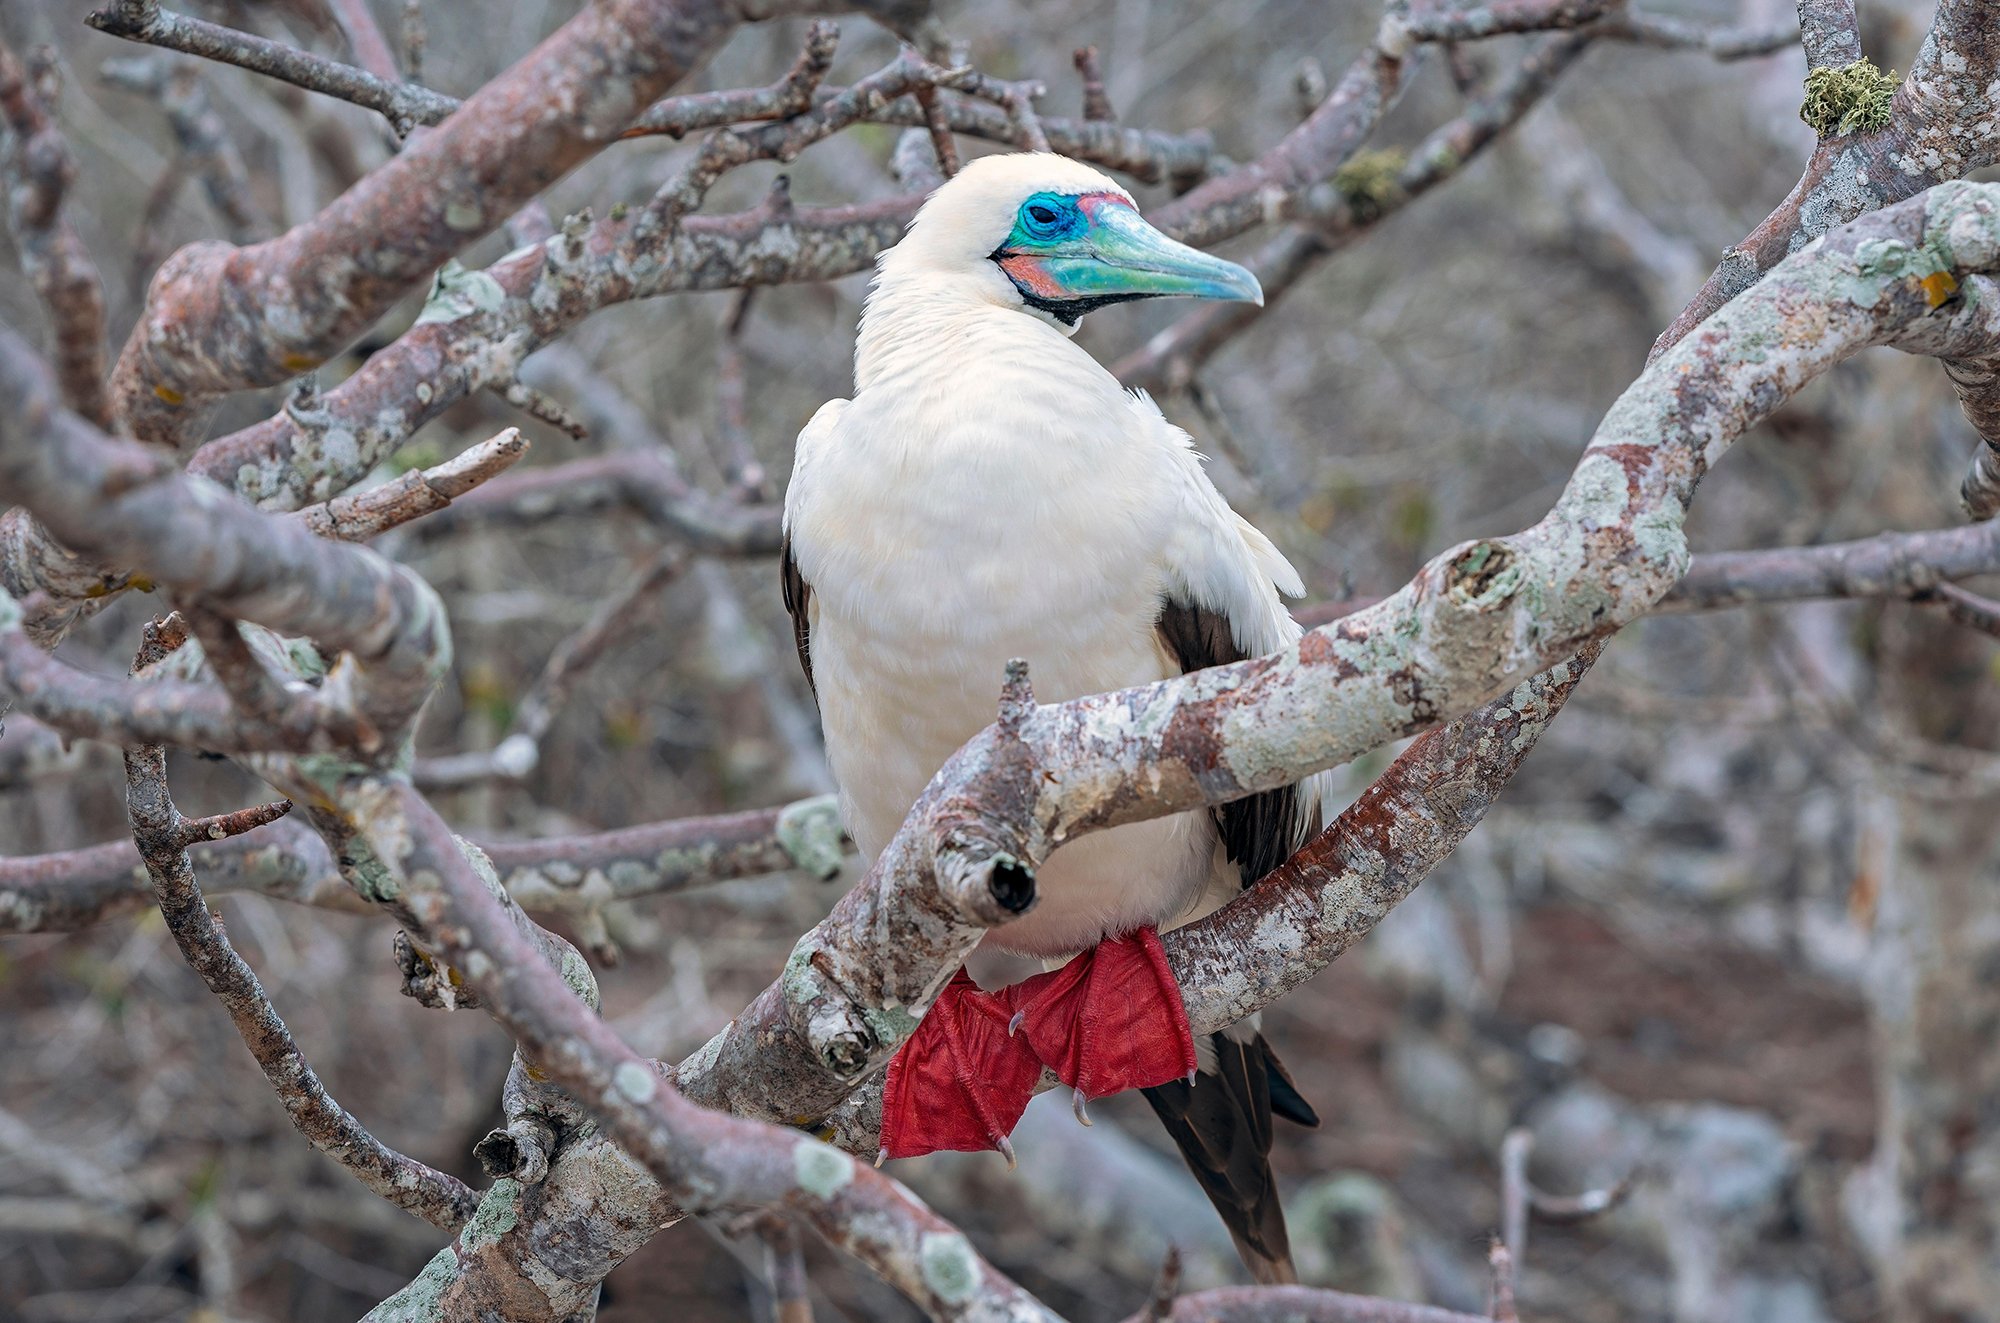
column 1222, row 1125
column 798, row 601
column 1222, row 1121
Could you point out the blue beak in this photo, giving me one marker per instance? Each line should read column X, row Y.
column 1115, row 257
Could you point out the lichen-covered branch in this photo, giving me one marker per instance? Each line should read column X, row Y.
column 572, row 876
column 120, row 502
column 36, row 172
column 359, row 516
column 1940, row 126
column 191, row 714
column 1830, row 33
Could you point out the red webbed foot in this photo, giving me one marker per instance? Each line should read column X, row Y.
column 961, row 1082
column 1108, row 1021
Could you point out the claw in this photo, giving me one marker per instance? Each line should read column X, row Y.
column 1014, row 1024
column 881, row 1156
column 1076, row 1104
column 1190, row 1079
column 1006, row 1147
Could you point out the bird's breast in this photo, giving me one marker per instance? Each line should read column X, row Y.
column 933, row 563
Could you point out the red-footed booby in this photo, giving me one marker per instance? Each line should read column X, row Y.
column 992, row 492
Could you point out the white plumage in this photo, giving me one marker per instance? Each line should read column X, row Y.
column 992, row 492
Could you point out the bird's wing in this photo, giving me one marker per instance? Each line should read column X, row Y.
column 813, row 441
column 1220, row 604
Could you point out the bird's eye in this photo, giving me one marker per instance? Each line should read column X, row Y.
column 1042, row 215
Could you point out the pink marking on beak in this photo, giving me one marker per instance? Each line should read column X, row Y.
column 1026, row 269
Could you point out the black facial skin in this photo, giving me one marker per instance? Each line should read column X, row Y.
column 1067, row 311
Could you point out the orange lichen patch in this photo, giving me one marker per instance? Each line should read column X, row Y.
column 1939, row 286
column 169, row 394
column 296, row 362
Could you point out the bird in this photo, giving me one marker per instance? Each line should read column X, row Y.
column 990, row 492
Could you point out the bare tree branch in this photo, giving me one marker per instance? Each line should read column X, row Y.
column 1886, row 565
column 1298, row 1304
column 36, row 170
column 567, row 875
column 707, row 1160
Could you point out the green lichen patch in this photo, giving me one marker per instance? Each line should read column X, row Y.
column 820, row 1170
column 1851, row 99
column 420, row 1301
column 810, row 833
column 457, row 292
column 496, row 1215
column 950, row 1268
column 1371, row 182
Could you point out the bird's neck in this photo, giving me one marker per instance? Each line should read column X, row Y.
column 919, row 326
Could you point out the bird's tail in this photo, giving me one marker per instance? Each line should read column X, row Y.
column 1222, row 1123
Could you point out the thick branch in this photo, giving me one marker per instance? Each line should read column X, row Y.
column 707, row 1161
column 1941, row 127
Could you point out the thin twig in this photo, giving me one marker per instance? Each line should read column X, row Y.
column 1096, row 101
column 520, row 751
column 36, row 171
column 1969, row 609
column 791, row 1289
column 365, row 38
column 365, row 514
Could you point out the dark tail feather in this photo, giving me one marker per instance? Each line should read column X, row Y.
column 1222, row 1123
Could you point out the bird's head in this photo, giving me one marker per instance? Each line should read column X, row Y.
column 1050, row 236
